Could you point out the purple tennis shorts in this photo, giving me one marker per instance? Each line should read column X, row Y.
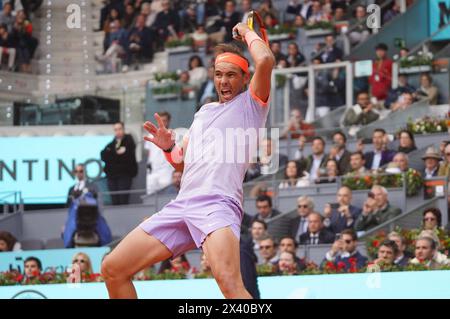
column 183, row 224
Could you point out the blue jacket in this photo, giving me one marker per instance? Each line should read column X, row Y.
column 338, row 223
column 102, row 229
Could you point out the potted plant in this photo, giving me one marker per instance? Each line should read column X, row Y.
column 176, row 45
column 319, row 28
column 416, row 63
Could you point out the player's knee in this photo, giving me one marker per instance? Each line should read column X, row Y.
column 229, row 282
column 110, row 271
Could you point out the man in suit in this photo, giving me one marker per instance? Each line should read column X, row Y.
column 264, row 209
column 296, row 8
column 316, row 233
column 207, row 92
column 343, row 214
column 376, row 209
column 120, row 163
column 401, row 259
column 81, row 187
column 340, row 153
column 431, row 160
column 317, row 159
column 380, row 156
column 267, row 250
column 299, row 225
column 344, row 252
column 331, row 52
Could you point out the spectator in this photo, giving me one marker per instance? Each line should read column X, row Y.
column 264, row 209
column 258, row 231
column 167, row 23
column 341, row 215
column 344, row 250
column 82, row 185
column 32, row 268
column 386, row 254
column 427, row 90
column 340, row 153
column 392, row 12
column 403, row 102
column 299, row 22
column 288, row 244
column 401, row 162
column 316, row 233
column 270, row 21
column 112, row 16
column 360, row 32
column 330, row 173
column 120, row 164
column 300, row 9
column 286, row 264
column 361, row 113
column 317, row 14
column 407, row 143
column 7, row 48
column 294, row 57
column 8, row 242
column 267, row 161
column 130, row 16
column 402, row 87
column 296, row 123
column 230, row 17
column 299, row 225
column 431, row 160
column 401, row 259
column 140, row 42
column 188, row 19
column 425, row 254
column 187, row 89
column 175, row 186
column 84, row 262
column 357, row 162
column 197, row 72
column 444, row 167
column 317, row 159
column 432, row 219
column 114, row 45
column 159, row 171
column 381, row 155
column 207, row 92
column 376, row 209
column 6, row 16
column 266, row 7
column 275, row 46
column 293, row 176
column 268, row 251
column 246, row 7
column 331, row 52
column 381, row 77
column 24, row 42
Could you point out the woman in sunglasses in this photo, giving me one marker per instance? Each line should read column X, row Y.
column 84, row 262
column 432, row 219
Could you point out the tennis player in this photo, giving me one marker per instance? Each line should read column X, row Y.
column 207, row 212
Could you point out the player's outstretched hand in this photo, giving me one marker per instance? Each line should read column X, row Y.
column 160, row 136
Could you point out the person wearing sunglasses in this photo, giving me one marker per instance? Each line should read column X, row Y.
column 84, row 262
column 82, row 185
column 299, row 225
column 344, row 250
column 267, row 251
column 432, row 219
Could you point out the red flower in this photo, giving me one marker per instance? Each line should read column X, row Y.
column 185, row 265
column 341, row 265
column 19, row 278
column 330, row 265
column 352, row 269
column 194, row 270
column 175, row 269
column 352, row 260
column 375, row 243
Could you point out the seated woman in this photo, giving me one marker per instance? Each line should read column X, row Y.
column 427, row 90
column 407, row 142
column 286, row 264
column 8, row 242
column 427, row 254
column 330, row 173
column 432, row 219
column 292, row 173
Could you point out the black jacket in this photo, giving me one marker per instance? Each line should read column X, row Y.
column 124, row 165
column 325, row 237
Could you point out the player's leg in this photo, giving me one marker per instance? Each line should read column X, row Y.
column 135, row 252
column 221, row 248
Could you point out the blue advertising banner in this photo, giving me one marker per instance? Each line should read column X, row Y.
column 422, row 284
column 57, row 259
column 41, row 167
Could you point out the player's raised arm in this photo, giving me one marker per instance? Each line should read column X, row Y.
column 164, row 139
column 262, row 57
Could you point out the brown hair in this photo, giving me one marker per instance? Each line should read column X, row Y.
column 9, row 239
column 228, row 47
